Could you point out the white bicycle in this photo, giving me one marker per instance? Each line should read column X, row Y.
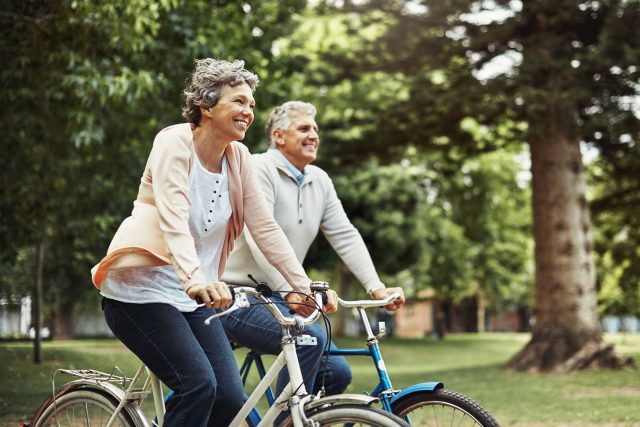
column 101, row 399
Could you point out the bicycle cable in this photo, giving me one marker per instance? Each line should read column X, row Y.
column 266, row 291
column 327, row 344
column 324, row 353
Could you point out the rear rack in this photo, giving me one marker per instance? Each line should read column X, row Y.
column 98, row 376
column 92, row 374
column 123, row 382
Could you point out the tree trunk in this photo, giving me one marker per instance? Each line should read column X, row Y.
column 439, row 319
column 63, row 320
column 345, row 290
column 37, row 306
column 481, row 310
column 567, row 334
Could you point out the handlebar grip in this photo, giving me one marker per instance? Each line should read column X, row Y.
column 231, row 289
column 325, row 300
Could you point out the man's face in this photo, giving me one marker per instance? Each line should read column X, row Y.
column 299, row 143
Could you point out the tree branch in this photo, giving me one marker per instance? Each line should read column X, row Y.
column 36, row 21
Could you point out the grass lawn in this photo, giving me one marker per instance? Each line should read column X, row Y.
column 467, row 363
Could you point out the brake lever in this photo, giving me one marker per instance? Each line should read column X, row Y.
column 229, row 310
column 240, row 301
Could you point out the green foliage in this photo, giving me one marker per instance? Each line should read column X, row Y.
column 463, row 235
column 75, row 89
column 617, row 237
column 384, row 202
column 86, row 86
column 573, row 61
column 397, row 149
column 406, row 119
column 493, row 208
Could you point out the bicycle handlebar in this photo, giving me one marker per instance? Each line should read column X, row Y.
column 241, row 301
column 368, row 303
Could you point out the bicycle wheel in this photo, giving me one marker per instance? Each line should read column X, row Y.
column 442, row 408
column 352, row 415
column 83, row 408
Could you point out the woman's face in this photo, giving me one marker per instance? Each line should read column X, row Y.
column 233, row 114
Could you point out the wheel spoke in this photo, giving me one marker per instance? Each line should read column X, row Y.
column 86, row 415
column 443, row 408
column 83, row 408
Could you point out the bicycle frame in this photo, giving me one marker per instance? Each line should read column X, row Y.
column 295, row 390
column 383, row 390
column 294, row 396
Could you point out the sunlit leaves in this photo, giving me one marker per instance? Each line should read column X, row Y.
column 461, row 235
column 87, row 85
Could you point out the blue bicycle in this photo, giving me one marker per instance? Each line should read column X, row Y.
column 423, row 404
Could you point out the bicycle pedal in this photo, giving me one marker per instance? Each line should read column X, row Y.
column 306, row 340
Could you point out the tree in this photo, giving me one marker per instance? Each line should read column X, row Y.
column 567, row 333
column 61, row 65
column 573, row 64
column 86, row 87
column 489, row 202
column 617, row 234
column 416, row 210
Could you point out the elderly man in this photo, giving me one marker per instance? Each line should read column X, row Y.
column 303, row 201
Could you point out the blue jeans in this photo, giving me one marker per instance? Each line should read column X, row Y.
column 256, row 328
column 191, row 358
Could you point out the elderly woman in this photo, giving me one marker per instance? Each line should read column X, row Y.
column 196, row 193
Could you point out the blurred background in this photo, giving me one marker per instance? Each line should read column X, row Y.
column 486, row 150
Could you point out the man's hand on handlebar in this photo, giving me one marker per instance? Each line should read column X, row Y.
column 212, row 294
column 332, row 302
column 297, row 300
column 382, row 293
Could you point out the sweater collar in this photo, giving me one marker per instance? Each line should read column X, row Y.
column 286, row 165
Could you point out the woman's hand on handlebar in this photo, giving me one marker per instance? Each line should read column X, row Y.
column 212, row 294
column 382, row 293
column 304, row 304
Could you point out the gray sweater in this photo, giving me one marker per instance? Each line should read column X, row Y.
column 301, row 211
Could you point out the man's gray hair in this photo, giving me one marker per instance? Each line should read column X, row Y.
column 208, row 79
column 280, row 117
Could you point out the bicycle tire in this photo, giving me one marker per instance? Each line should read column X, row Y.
column 442, row 407
column 352, row 415
column 83, row 407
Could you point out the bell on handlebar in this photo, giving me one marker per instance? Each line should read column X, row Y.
column 319, row 286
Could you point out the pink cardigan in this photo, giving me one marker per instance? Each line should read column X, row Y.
column 157, row 232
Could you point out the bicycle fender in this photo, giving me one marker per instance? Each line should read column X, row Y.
column 416, row 388
column 341, row 399
column 103, row 387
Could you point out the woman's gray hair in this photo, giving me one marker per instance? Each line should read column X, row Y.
column 280, row 117
column 207, row 81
